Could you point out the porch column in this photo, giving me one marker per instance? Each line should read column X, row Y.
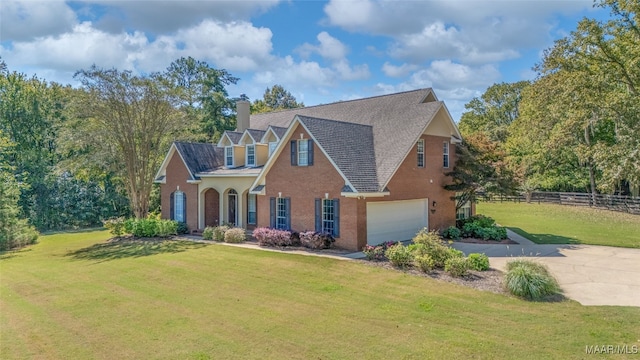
column 222, row 216
column 200, row 208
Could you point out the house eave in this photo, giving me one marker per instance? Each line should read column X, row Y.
column 364, row 194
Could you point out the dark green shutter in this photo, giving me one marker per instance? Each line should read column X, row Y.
column 310, row 153
column 171, row 204
column 287, row 207
column 294, row 153
column 336, row 217
column 318, row 215
column 272, row 213
column 184, row 206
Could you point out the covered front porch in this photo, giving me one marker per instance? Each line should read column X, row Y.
column 226, row 200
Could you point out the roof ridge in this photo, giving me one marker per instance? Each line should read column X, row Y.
column 344, row 101
column 332, row 120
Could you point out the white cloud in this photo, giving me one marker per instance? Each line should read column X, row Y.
column 328, row 47
column 397, row 71
column 24, row 20
column 347, row 72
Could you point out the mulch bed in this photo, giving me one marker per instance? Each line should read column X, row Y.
column 491, row 280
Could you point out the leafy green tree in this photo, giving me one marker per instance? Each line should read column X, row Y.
column 494, row 111
column 14, row 231
column 479, row 166
column 202, row 96
column 275, row 98
column 137, row 117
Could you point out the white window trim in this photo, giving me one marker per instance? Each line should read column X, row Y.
column 272, row 147
column 252, row 146
column 233, row 158
column 255, row 208
column 178, row 204
column 305, row 152
column 278, row 217
column 420, row 144
column 445, row 154
column 333, row 220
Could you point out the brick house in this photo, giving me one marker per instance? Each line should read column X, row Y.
column 368, row 170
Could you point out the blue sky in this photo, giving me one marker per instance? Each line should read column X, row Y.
column 321, row 51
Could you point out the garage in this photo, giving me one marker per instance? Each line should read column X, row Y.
column 395, row 220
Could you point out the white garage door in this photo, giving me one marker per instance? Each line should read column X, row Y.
column 395, row 220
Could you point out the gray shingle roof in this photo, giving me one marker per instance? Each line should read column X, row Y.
column 397, row 120
column 200, row 157
column 280, row 131
column 350, row 146
column 234, row 136
column 256, row 134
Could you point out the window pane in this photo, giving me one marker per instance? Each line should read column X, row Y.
column 178, row 201
column 229, row 156
column 303, row 152
column 328, row 223
column 281, row 213
column 251, row 155
column 272, row 147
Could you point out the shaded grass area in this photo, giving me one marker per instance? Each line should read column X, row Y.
column 561, row 224
column 123, row 248
column 225, row 302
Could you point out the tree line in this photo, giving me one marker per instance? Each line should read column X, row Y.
column 576, row 127
column 72, row 157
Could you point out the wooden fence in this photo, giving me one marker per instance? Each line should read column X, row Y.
column 628, row 204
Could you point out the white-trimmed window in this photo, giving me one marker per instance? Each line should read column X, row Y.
column 420, row 150
column 178, row 206
column 445, row 155
column 228, row 156
column 281, row 213
column 328, row 219
column 303, row 152
column 251, row 209
column 272, row 147
column 251, row 155
column 464, row 212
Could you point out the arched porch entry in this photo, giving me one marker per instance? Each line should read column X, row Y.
column 232, row 203
column 211, row 207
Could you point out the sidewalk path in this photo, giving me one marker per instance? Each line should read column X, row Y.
column 589, row 274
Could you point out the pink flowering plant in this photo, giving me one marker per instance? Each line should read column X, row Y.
column 376, row 253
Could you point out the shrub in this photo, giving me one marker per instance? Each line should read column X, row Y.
column 235, row 235
column 471, row 229
column 115, row 226
column 219, row 231
column 424, row 262
column 182, row 228
column 316, row 240
column 151, row 226
column 455, row 253
column 452, row 232
column 374, row 252
column 481, row 220
column 457, row 266
column 207, row 233
column 418, row 249
column 166, row 228
column 399, row 256
column 273, row 237
column 478, row 262
column 428, row 238
column 530, row 280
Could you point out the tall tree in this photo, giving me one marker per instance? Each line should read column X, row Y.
column 479, row 166
column 137, row 116
column 275, row 98
column 494, row 111
column 202, row 95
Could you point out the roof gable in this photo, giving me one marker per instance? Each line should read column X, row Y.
column 230, row 138
column 196, row 157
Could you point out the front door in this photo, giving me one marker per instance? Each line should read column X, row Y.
column 233, row 197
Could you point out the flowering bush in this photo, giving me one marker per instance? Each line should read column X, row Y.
column 207, row 234
column 235, row 235
column 273, row 237
column 377, row 252
column 316, row 240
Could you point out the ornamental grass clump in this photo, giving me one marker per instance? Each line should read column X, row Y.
column 530, row 280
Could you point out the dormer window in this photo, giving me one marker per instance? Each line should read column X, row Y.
column 228, row 155
column 420, row 149
column 251, row 155
column 272, row 147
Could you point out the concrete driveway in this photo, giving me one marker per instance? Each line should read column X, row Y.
column 591, row 275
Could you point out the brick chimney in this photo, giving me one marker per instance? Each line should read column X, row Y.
column 242, row 115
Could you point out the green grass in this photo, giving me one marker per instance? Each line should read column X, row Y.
column 561, row 224
column 72, row 296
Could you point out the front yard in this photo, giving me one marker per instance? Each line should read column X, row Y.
column 562, row 224
column 73, row 296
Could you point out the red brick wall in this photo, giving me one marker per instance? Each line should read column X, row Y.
column 177, row 175
column 303, row 184
column 211, row 208
column 413, row 182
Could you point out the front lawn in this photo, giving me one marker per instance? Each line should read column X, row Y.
column 562, row 224
column 73, row 296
